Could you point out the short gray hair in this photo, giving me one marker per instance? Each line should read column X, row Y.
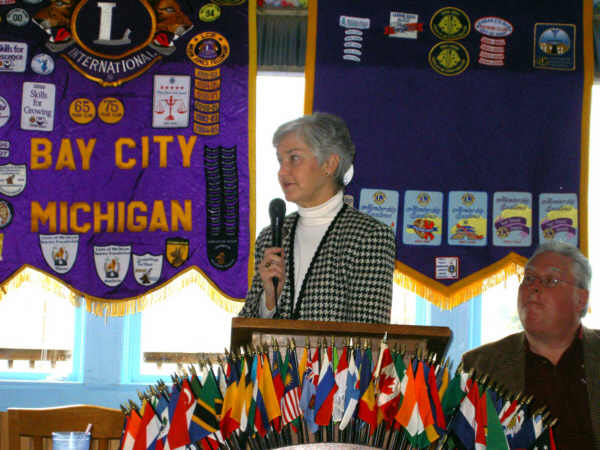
column 579, row 263
column 326, row 134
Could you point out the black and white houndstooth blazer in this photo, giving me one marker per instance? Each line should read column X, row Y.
column 349, row 278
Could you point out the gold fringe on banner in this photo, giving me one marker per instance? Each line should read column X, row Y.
column 118, row 308
column 192, row 276
column 448, row 297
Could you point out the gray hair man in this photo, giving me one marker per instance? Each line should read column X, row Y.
column 555, row 358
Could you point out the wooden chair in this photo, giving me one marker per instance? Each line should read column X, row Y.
column 39, row 423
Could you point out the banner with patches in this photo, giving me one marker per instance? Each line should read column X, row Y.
column 475, row 113
column 124, row 143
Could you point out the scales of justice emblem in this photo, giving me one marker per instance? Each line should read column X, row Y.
column 171, row 102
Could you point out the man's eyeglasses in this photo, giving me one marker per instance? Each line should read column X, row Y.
column 548, row 281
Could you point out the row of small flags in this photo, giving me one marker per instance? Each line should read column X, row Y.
column 265, row 398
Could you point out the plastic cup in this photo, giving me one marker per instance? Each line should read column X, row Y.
column 70, row 440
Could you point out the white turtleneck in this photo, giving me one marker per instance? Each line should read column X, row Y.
column 311, row 228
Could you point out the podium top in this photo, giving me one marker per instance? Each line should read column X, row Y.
column 244, row 330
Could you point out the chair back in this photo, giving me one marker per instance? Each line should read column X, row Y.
column 39, row 423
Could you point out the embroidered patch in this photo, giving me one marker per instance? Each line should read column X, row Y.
column 493, row 26
column 42, row 64
column 447, row 268
column 404, row 25
column 4, row 111
column 59, row 251
column 17, row 17
column 13, row 179
column 422, row 218
column 82, row 111
column 7, row 213
column 111, row 110
column 450, row 23
column 171, row 101
column 13, row 56
column 177, row 251
column 554, row 46
column 381, row 204
column 112, row 263
column 467, row 218
column 209, row 12
column 512, row 219
column 558, row 216
column 449, row 58
column 147, row 268
column 37, row 109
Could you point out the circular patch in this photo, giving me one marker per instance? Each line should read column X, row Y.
column 6, row 213
column 554, row 41
column 17, row 17
column 209, row 12
column 42, row 64
column 4, row 111
column 208, row 49
column 450, row 24
column 82, row 110
column 111, row 110
column 448, row 58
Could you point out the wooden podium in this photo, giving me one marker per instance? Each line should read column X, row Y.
column 254, row 331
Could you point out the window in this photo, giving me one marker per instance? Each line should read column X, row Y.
column 38, row 332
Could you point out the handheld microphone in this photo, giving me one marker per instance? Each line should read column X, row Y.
column 277, row 213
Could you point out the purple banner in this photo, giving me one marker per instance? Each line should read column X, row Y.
column 471, row 96
column 124, row 143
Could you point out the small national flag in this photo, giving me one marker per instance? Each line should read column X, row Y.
column 495, row 437
column 134, row 422
column 408, row 415
column 341, row 375
column 290, row 404
column 367, row 407
column 302, row 365
column 481, row 422
column 326, row 389
column 149, row 428
column 388, row 385
column 162, row 411
column 269, row 395
column 205, row 418
column 463, row 424
column 454, row 394
column 352, row 393
column 545, row 441
column 230, row 421
column 180, row 418
column 309, row 390
column 261, row 421
column 436, row 407
column 429, row 433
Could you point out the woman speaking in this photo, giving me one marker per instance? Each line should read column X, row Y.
column 335, row 263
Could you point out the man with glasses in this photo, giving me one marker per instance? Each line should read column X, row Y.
column 555, row 358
